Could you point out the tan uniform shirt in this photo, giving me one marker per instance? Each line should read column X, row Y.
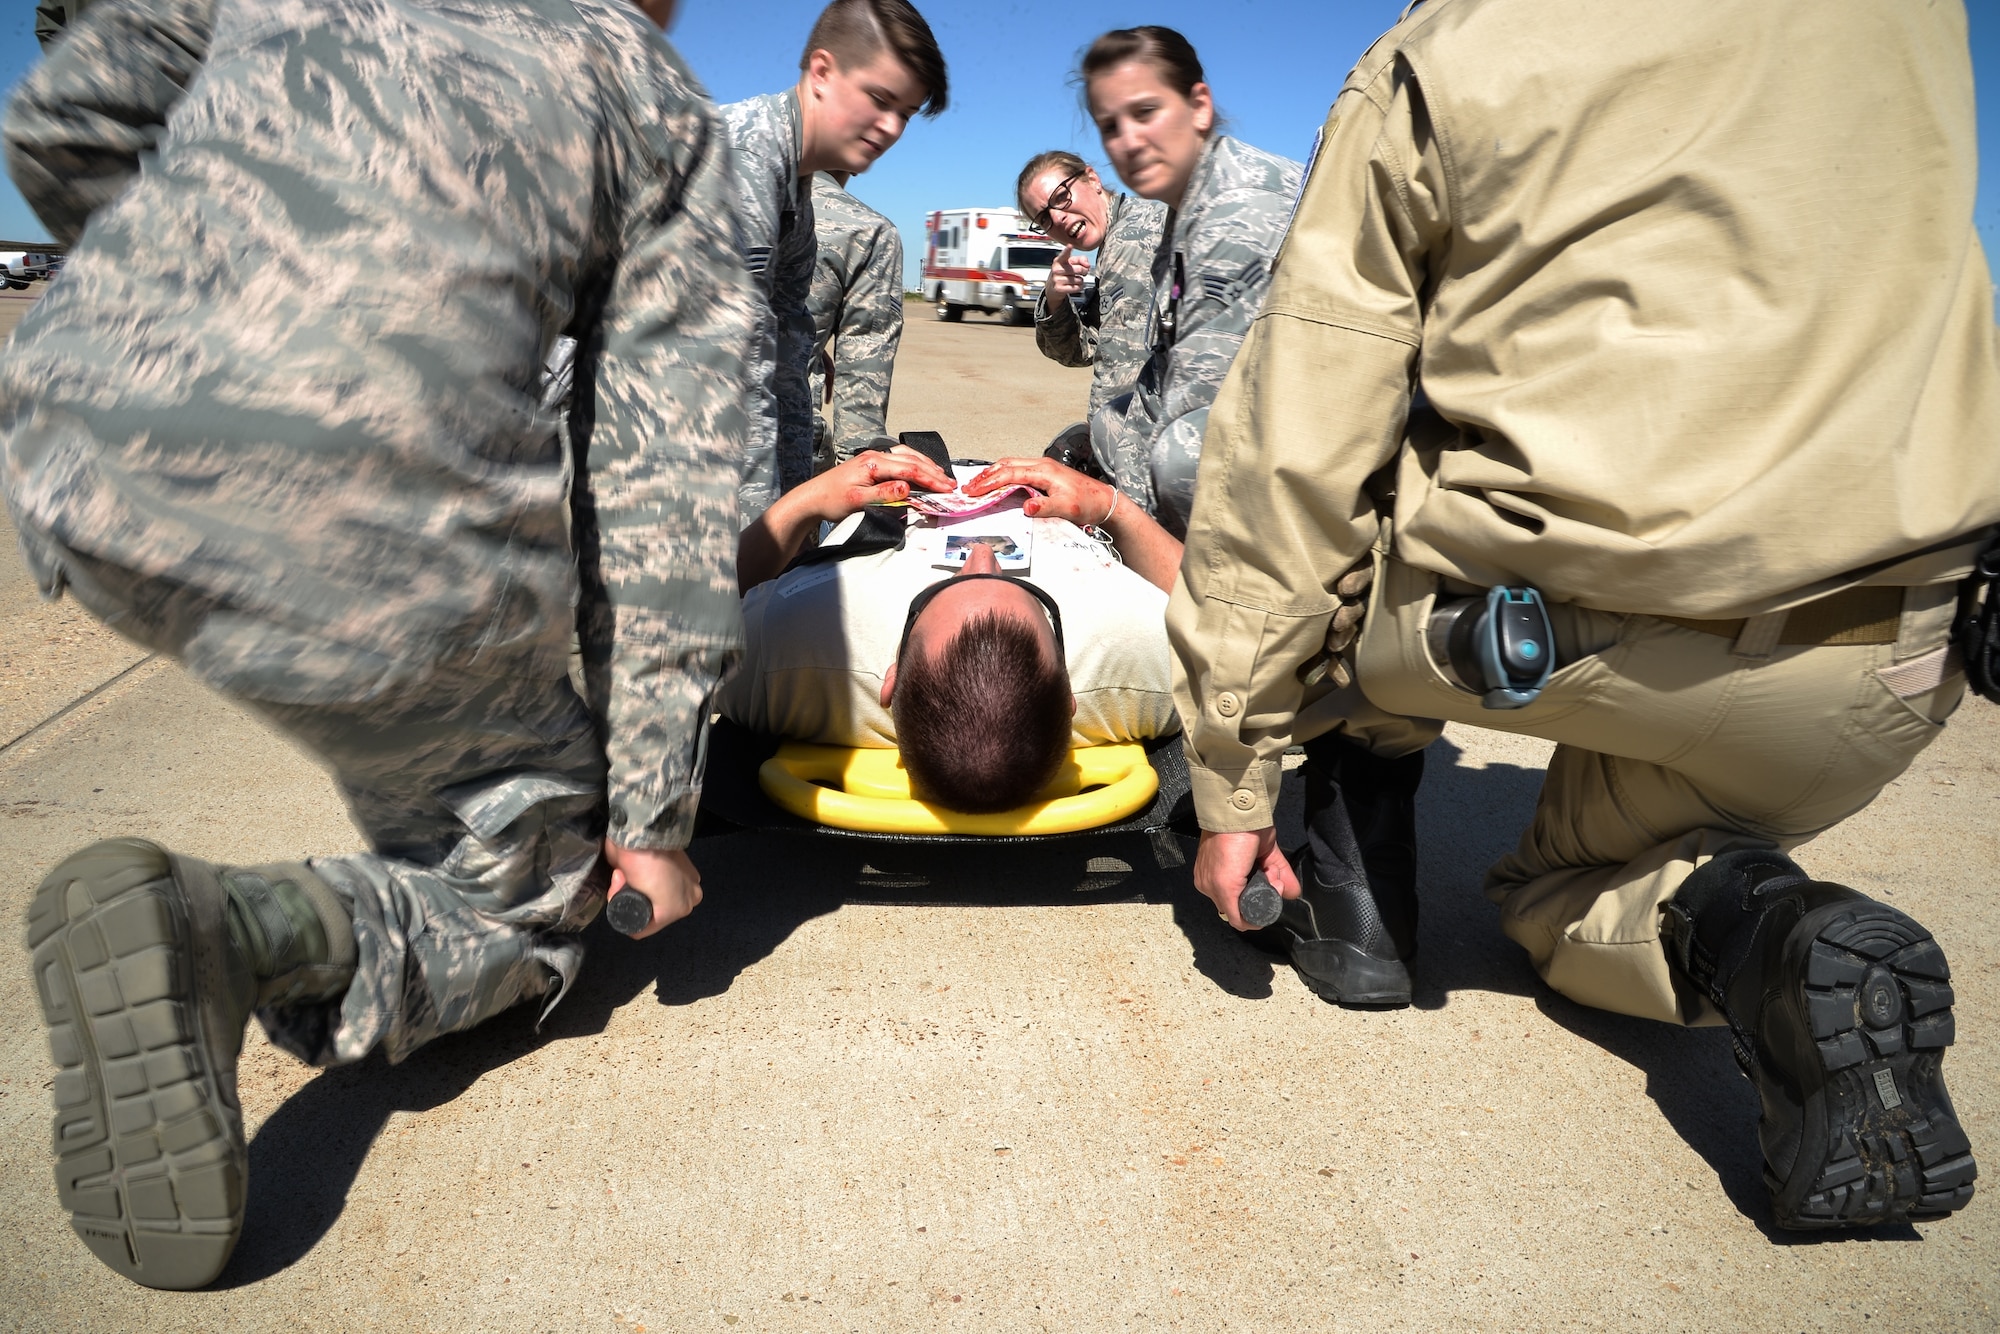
column 1696, row 301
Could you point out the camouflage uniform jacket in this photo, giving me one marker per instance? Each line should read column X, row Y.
column 1208, row 284
column 1109, row 332
column 857, row 307
column 52, row 16
column 293, row 366
column 768, row 136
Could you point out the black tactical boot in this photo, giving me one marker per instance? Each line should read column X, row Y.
column 1841, row 1011
column 1072, row 450
column 1353, row 931
column 148, row 966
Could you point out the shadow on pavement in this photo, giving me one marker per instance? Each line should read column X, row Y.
column 307, row 1154
column 974, row 319
column 1467, row 819
column 763, row 887
column 1692, row 1077
column 792, row 878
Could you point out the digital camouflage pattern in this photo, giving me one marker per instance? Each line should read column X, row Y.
column 138, row 57
column 776, row 207
column 485, row 834
column 52, row 16
column 1208, row 284
column 857, row 314
column 1109, row 333
column 285, row 402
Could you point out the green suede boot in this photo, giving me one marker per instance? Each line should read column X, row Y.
column 149, row 966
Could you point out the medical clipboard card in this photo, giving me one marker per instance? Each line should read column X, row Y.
column 1009, row 532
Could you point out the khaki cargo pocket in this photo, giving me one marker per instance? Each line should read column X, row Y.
column 1931, row 687
column 1882, row 733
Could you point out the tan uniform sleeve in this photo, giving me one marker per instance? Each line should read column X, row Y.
column 1315, row 404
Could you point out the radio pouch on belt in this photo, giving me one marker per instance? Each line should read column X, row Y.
column 1977, row 632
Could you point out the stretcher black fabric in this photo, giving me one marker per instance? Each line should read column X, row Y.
column 732, row 798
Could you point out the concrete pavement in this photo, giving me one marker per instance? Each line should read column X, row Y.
column 1031, row 1091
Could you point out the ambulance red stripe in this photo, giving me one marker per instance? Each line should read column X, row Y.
column 973, row 275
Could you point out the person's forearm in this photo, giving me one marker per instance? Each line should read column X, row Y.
column 770, row 544
column 871, row 332
column 665, row 455
column 664, row 684
column 79, row 123
column 1314, row 405
column 1150, row 551
column 1060, row 335
column 1282, row 511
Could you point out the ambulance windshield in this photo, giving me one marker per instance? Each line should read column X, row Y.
column 1031, row 256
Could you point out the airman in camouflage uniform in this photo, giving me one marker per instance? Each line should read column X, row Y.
column 869, row 66
column 1208, row 284
column 776, row 205
column 1106, row 330
column 281, row 421
column 857, row 313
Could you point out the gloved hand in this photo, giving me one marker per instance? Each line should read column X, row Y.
column 1352, row 589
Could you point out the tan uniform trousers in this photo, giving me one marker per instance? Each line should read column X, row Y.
column 1673, row 745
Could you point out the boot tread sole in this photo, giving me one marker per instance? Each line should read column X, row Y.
column 150, row 1159
column 1877, row 1004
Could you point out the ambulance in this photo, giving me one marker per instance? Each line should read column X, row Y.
column 989, row 259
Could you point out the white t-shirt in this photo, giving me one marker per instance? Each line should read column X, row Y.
column 821, row 638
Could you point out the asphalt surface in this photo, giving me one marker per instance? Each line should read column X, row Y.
column 1018, row 1091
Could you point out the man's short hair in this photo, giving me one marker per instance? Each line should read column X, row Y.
column 984, row 721
column 854, row 32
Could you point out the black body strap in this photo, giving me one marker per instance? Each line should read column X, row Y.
column 883, row 527
column 930, row 444
column 1977, row 632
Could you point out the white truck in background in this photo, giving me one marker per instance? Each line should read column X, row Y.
column 989, row 259
column 19, row 267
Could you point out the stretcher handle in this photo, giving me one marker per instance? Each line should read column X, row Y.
column 629, row 912
column 1260, row 903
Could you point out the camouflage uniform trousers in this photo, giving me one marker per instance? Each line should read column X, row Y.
column 481, row 796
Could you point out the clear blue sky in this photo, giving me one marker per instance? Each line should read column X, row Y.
column 1275, row 66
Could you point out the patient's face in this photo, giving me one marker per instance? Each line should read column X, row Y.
column 948, row 612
